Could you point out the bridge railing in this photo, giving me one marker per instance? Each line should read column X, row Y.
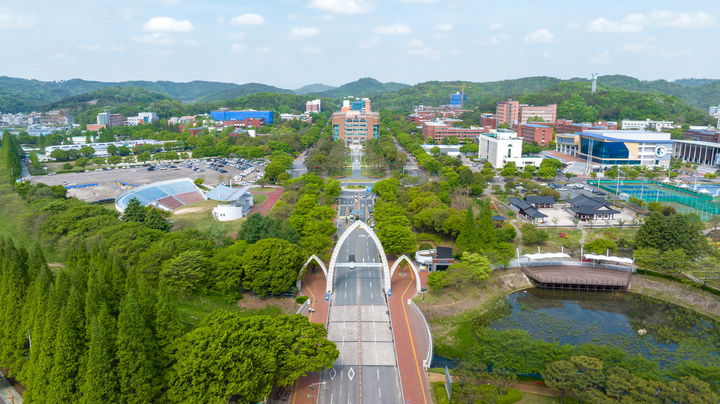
column 428, row 358
column 622, row 268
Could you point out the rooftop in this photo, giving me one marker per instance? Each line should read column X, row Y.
column 636, row 136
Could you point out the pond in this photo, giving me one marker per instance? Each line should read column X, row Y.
column 658, row 331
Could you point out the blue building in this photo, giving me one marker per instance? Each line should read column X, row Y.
column 457, row 99
column 242, row 115
column 618, row 147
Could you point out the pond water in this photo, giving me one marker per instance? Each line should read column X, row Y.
column 637, row 324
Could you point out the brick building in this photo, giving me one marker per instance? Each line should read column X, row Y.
column 534, row 133
column 512, row 112
column 355, row 122
column 439, row 130
column 702, row 135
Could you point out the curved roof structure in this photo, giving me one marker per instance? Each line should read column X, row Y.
column 166, row 195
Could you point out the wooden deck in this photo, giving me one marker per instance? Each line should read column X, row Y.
column 578, row 277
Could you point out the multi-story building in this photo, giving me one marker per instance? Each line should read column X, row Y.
column 355, row 122
column 698, row 152
column 534, row 133
column 547, row 113
column 647, row 124
column 227, row 115
column 439, row 130
column 606, row 148
column 702, row 135
column 714, row 111
column 503, row 146
column 488, row 120
column 313, row 106
column 512, row 112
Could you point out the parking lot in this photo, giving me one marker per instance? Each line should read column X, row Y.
column 107, row 184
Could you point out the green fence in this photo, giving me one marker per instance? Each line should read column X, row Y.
column 683, row 200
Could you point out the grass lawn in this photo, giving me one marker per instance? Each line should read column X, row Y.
column 194, row 308
column 199, row 216
column 258, row 199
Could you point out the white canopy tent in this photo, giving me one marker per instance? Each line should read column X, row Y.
column 545, row 256
column 609, row 258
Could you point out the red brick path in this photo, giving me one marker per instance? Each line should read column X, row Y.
column 411, row 340
column 313, row 286
column 273, row 196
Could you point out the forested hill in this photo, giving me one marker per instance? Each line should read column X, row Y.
column 313, row 89
column 575, row 101
column 698, row 92
column 478, row 94
column 363, row 87
column 109, row 96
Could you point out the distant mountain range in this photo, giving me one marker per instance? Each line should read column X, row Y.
column 21, row 95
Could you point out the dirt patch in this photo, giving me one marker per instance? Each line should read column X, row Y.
column 286, row 304
column 453, row 302
column 677, row 293
column 189, row 210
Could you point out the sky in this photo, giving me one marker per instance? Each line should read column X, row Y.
column 291, row 43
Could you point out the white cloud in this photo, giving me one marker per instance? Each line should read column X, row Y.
column 636, row 47
column 101, row 48
column 160, row 38
column 601, row 58
column 415, row 43
column 237, row 47
column 603, row 25
column 248, row 19
column 303, row 32
column 236, row 36
column 64, row 57
column 10, row 20
column 541, row 36
column 637, row 22
column 493, row 40
column 664, row 18
column 423, row 51
column 444, row 27
column 171, row 2
column 168, row 24
column 394, row 29
column 342, row 6
column 495, row 26
column 311, row 50
column 419, row 1
column 370, row 43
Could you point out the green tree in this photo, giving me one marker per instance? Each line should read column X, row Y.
column 82, row 162
column 601, row 246
column 244, row 357
column 155, row 219
column 134, row 212
column 509, row 170
column 396, row 235
column 136, row 353
column 143, row 157
column 186, row 272
column 100, row 384
column 560, row 375
column 468, row 238
column 271, row 266
column 66, row 375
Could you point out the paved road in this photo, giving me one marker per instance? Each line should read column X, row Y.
column 298, row 166
column 359, row 321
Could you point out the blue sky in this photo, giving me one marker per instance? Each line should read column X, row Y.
column 290, row 43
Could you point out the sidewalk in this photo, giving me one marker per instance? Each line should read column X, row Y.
column 411, row 341
column 8, row 394
column 313, row 286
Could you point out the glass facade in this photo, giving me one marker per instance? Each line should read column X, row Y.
column 615, row 153
column 376, row 131
column 336, row 131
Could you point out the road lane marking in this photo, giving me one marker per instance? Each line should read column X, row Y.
column 403, row 302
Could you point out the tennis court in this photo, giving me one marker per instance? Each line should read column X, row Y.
column 683, row 200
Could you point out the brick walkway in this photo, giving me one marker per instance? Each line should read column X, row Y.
column 411, row 340
column 273, row 196
column 313, row 286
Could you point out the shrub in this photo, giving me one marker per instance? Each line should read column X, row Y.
column 301, row 299
column 425, row 246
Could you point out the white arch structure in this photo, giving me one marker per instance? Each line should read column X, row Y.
column 314, row 257
column 358, row 224
column 414, row 268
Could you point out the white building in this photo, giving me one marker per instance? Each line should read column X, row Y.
column 714, row 111
column 647, row 124
column 313, row 106
column 141, row 118
column 607, row 148
column 504, row 146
